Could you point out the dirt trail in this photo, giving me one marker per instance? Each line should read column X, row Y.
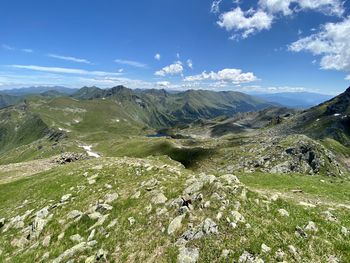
column 16, row 171
column 302, row 199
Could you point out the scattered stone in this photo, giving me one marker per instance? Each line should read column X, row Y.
column 230, row 179
column 66, row 198
column 109, row 198
column 108, row 186
column 293, row 251
column 193, row 188
column 175, row 224
column 95, row 215
column 101, row 254
column 329, row 216
column 136, row 195
column 307, row 204
column 19, row 242
column 112, row 223
column 92, row 235
column 225, row 253
column 283, row 212
column 237, row 217
column 60, row 236
column 344, row 231
column 69, row 253
column 279, row 255
column 45, row 256
column 210, row 227
column 299, row 232
column 188, row 255
column 99, row 222
column 74, row 214
column 333, row 259
column 76, row 238
column 247, row 257
column 311, row 227
column 265, row 249
column 131, row 220
column 159, row 198
column 103, row 208
column 46, row 241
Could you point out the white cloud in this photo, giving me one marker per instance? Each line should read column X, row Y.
column 232, row 75
column 69, row 58
column 245, row 23
column 288, row 7
column 189, row 63
column 64, row 70
column 173, row 69
column 163, row 83
column 132, row 63
column 215, row 6
column 178, row 55
column 332, row 44
column 256, row 19
column 157, row 56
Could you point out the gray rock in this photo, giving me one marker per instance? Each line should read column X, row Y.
column 103, row 208
column 175, row 224
column 46, row 241
column 158, row 198
column 283, row 212
column 230, row 179
column 76, row 238
column 311, row 227
column 109, row 198
column 69, row 253
column 66, row 198
column 329, row 216
column 210, row 227
column 193, row 188
column 74, row 214
column 247, row 257
column 188, row 255
column 344, row 231
column 265, row 249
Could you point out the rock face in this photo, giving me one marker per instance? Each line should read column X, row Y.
column 69, row 157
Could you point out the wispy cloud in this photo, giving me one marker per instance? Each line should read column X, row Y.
column 132, row 63
column 7, row 47
column 69, row 58
column 65, row 70
column 11, row 48
column 27, row 50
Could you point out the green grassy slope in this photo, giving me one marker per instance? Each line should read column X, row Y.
column 135, row 224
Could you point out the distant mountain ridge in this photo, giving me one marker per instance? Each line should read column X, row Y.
column 160, row 108
column 37, row 90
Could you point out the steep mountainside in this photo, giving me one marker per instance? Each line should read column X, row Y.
column 329, row 119
column 8, row 100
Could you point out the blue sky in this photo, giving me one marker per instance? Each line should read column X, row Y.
column 260, row 45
